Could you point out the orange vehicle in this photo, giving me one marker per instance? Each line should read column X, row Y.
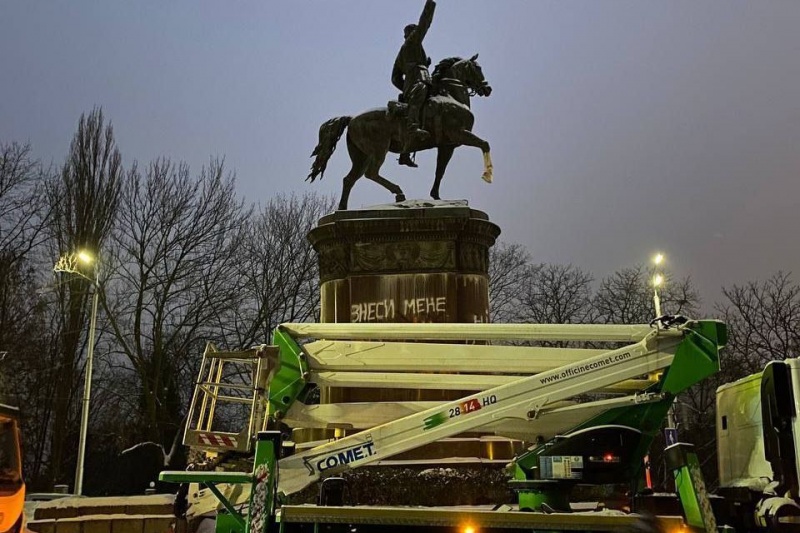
column 12, row 487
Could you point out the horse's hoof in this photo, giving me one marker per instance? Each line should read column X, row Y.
column 400, row 197
column 487, row 177
column 435, row 196
column 342, row 207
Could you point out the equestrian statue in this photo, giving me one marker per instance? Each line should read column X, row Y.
column 433, row 111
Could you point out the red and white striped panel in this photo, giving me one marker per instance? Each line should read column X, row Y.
column 210, row 439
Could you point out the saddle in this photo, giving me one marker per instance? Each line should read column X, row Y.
column 397, row 108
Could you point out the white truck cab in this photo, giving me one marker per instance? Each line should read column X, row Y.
column 757, row 434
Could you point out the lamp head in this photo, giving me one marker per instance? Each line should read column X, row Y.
column 85, row 257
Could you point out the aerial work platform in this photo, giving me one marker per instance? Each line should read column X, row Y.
column 530, row 382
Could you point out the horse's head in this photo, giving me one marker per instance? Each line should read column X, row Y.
column 460, row 78
column 469, row 72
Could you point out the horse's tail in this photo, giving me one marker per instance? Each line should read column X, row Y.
column 329, row 134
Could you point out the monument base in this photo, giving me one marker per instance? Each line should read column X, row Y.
column 412, row 261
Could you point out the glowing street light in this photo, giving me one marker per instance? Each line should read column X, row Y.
column 69, row 264
column 658, row 281
column 85, row 257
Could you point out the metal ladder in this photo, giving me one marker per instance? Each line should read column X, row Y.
column 225, row 380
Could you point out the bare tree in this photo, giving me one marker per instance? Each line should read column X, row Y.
column 764, row 323
column 557, row 294
column 22, row 211
column 176, row 246
column 626, row 297
column 83, row 202
column 278, row 268
column 22, row 215
column 85, row 199
column 26, row 369
column 508, row 268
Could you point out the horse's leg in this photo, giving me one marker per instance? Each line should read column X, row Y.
column 373, row 169
column 443, row 155
column 467, row 138
column 488, row 168
column 358, row 159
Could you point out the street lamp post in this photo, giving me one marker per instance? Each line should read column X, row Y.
column 671, row 431
column 68, row 264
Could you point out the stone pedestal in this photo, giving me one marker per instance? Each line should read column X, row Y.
column 407, row 262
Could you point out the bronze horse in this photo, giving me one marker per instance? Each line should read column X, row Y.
column 373, row 134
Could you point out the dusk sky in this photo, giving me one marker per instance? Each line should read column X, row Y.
column 618, row 128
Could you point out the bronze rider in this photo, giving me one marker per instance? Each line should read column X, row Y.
column 410, row 75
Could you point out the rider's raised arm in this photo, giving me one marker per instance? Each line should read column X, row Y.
column 424, row 21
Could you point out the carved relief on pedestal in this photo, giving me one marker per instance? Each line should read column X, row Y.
column 473, row 257
column 333, row 260
column 403, row 256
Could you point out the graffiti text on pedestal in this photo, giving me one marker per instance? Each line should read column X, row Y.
column 411, row 309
